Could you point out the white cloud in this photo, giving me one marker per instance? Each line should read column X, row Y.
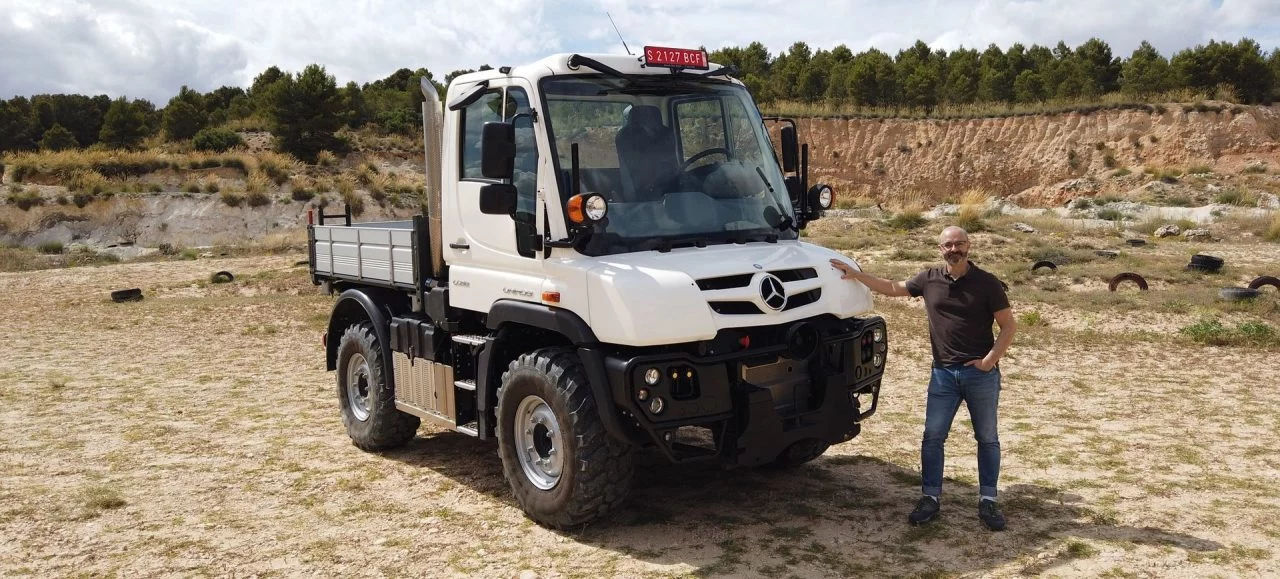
column 148, row 48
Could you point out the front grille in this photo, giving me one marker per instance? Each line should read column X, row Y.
column 789, row 275
column 735, row 308
column 725, row 282
column 803, row 299
column 744, row 279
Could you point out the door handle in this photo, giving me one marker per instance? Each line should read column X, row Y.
column 463, row 246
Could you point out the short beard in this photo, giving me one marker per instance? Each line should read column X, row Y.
column 954, row 257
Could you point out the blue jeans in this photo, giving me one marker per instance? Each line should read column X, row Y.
column 980, row 392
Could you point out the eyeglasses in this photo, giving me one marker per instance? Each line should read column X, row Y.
column 953, row 244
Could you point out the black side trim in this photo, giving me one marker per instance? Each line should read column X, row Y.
column 563, row 322
column 593, row 364
column 381, row 326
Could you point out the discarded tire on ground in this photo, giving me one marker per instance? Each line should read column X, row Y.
column 1127, row 276
column 222, row 277
column 1048, row 264
column 1235, row 294
column 1136, row 242
column 1107, row 253
column 301, row 262
column 1207, row 263
column 126, row 295
column 1262, row 280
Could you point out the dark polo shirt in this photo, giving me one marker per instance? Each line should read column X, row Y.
column 961, row 312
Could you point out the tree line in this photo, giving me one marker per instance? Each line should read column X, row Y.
column 923, row 77
column 306, row 110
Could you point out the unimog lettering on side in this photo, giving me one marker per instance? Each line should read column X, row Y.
column 609, row 260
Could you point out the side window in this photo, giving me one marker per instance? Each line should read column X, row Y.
column 701, row 128
column 487, row 109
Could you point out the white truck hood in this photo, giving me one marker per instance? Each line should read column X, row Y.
column 689, row 294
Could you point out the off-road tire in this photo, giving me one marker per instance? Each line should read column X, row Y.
column 1262, row 280
column 1127, row 276
column 596, row 476
column 1049, row 264
column 800, row 453
column 385, row 427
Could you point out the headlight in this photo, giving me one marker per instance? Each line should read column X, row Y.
column 657, row 405
column 877, row 360
column 651, row 376
column 822, row 196
column 878, row 334
column 596, row 207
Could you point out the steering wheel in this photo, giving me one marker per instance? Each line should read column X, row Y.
column 702, row 155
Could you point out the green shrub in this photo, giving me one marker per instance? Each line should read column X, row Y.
column 326, row 158
column 58, row 138
column 1109, row 160
column 257, row 199
column 231, row 198
column 50, row 247
column 1121, row 172
column 1032, row 318
column 1254, row 169
column 1207, row 331
column 191, row 187
column 355, row 202
column 1199, row 170
column 211, row 186
column 1073, row 159
column 908, row 219
column 1110, row 214
column 25, row 200
column 1273, row 230
column 1178, row 201
column 1235, row 197
column 81, row 199
column 217, row 139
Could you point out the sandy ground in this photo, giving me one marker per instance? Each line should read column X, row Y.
column 196, row 433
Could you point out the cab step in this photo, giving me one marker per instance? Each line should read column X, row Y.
column 469, row 339
column 465, row 385
column 469, row 429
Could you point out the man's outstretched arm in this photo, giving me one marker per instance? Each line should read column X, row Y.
column 878, row 285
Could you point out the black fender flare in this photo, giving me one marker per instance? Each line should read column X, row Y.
column 357, row 304
column 558, row 320
column 573, row 328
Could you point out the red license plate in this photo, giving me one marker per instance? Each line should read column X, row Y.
column 675, row 57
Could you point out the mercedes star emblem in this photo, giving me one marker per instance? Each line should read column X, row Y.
column 772, row 292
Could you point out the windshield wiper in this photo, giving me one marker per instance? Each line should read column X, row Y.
column 778, row 219
column 579, row 60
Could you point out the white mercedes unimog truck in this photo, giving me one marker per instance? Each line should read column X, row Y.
column 609, row 260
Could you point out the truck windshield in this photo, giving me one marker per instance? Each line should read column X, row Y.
column 680, row 161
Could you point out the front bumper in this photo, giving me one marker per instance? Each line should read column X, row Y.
column 746, row 403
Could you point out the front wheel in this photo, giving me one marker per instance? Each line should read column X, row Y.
column 563, row 468
column 365, row 395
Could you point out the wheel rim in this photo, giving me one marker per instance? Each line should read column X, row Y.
column 539, row 442
column 358, row 387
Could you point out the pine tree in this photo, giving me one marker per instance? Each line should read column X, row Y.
column 58, row 138
column 125, row 124
column 305, row 111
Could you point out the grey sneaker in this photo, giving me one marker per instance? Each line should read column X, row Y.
column 926, row 510
column 991, row 516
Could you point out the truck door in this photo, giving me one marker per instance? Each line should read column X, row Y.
column 495, row 257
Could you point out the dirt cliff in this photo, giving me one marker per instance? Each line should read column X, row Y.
column 1036, row 160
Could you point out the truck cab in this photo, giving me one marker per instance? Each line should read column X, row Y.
column 610, row 260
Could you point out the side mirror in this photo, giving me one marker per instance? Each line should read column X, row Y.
column 498, row 150
column 498, row 199
column 790, row 149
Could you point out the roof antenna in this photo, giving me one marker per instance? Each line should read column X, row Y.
column 615, row 29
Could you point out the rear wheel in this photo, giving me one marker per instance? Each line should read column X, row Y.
column 365, row 395
column 563, row 468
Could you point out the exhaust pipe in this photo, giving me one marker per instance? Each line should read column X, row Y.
column 433, row 147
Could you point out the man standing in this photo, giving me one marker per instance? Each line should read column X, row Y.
column 961, row 301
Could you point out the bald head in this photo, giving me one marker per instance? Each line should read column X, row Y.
column 954, row 243
column 953, row 233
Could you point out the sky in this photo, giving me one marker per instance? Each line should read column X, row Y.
column 150, row 48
